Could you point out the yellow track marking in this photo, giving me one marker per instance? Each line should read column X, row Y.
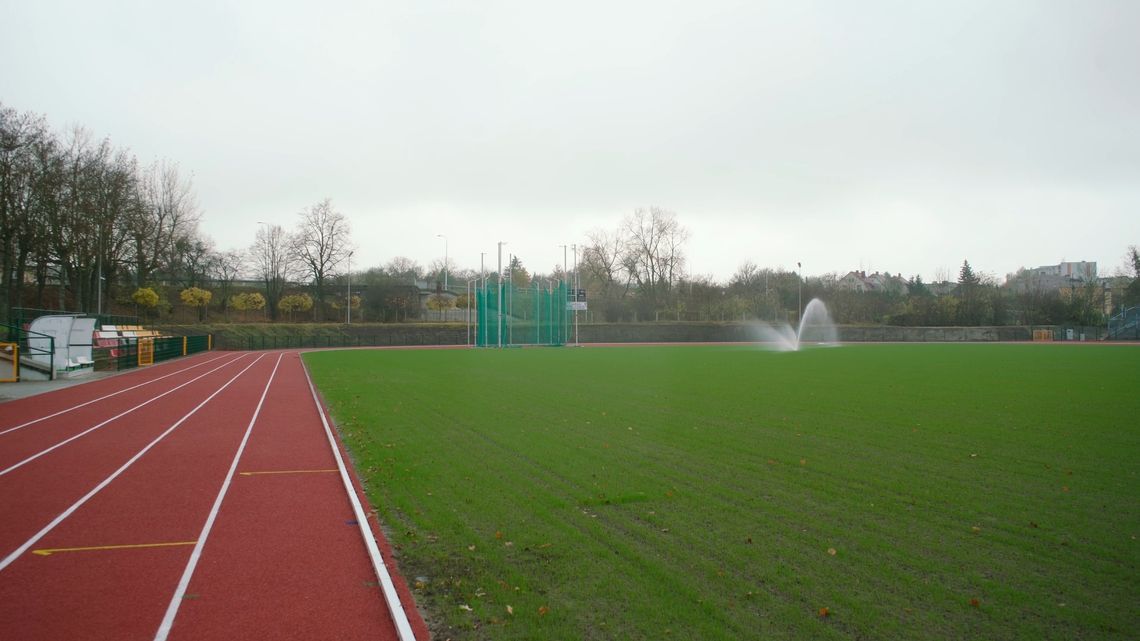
column 286, row 472
column 97, row 548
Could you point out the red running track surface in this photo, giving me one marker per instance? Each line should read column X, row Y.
column 208, row 497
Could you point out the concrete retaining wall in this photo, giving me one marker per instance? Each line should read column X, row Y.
column 280, row 336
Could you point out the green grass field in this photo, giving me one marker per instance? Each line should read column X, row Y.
column 914, row 491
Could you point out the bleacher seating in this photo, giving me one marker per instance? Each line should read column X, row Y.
column 112, row 336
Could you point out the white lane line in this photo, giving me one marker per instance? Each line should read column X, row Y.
column 120, row 415
column 103, row 398
column 391, row 597
column 114, row 475
column 184, row 582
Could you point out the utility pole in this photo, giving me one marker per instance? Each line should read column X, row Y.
column 348, row 291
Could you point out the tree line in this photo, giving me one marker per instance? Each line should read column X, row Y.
column 78, row 213
column 85, row 226
column 635, row 272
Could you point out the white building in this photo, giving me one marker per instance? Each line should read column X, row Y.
column 1052, row 277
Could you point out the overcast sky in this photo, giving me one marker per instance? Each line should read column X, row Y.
column 899, row 136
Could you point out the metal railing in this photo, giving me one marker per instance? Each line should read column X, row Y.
column 1125, row 325
column 29, row 349
column 260, row 342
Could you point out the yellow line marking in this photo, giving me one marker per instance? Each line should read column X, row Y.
column 287, row 472
column 96, row 548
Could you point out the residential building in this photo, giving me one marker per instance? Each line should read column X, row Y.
column 859, row 281
column 1063, row 275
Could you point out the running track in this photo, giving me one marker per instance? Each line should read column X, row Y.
column 202, row 498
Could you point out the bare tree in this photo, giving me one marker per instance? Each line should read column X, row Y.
column 167, row 212
column 273, row 258
column 73, row 225
column 191, row 259
column 603, row 270
column 42, row 199
column 435, row 270
column 321, row 243
column 404, row 268
column 654, row 254
column 24, row 138
column 225, row 269
column 113, row 201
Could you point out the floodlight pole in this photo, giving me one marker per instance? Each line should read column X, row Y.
column 483, row 276
column 510, row 299
column 348, row 291
column 565, row 330
column 499, row 288
column 469, row 313
column 444, row 260
column 575, row 293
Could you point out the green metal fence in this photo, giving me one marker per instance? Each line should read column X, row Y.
column 31, row 348
column 508, row 316
column 125, row 355
column 289, row 341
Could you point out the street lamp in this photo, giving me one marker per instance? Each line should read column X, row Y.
column 444, row 260
column 348, row 290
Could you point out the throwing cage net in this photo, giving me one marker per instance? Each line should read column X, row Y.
column 513, row 316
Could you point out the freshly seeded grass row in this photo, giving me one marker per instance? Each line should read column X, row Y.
column 967, row 491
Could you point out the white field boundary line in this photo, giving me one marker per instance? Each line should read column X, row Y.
column 114, row 475
column 184, row 582
column 391, row 597
column 103, row 398
column 117, row 416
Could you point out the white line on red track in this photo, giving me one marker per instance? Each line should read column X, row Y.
column 107, row 481
column 184, row 582
column 119, row 415
column 391, row 597
column 102, row 398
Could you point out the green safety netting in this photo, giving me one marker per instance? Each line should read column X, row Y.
column 534, row 315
